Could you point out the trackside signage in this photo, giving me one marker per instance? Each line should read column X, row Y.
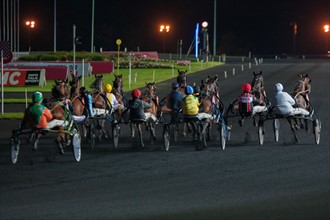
column 20, row 77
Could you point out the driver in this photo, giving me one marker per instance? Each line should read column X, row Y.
column 190, row 105
column 283, row 103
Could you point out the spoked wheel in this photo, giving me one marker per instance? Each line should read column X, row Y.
column 92, row 135
column 229, row 130
column 261, row 133
column 115, row 134
column 223, row 132
column 14, row 149
column 76, row 144
column 276, row 126
column 317, row 130
column 166, row 136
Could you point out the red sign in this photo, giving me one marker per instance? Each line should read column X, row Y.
column 23, row 77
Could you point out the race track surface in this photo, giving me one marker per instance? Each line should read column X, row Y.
column 284, row 180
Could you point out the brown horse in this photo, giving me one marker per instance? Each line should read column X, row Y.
column 181, row 79
column 97, row 94
column 258, row 90
column 300, row 94
column 78, row 104
column 209, row 99
column 75, row 86
column 59, row 109
column 117, row 90
column 100, row 101
column 301, row 91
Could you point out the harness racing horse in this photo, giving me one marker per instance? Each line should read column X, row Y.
column 78, row 104
column 258, row 90
column 181, row 79
column 300, row 94
column 59, row 109
column 100, row 101
column 149, row 96
column 209, row 98
column 117, row 90
column 301, row 91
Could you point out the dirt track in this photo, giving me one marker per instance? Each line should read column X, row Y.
column 246, row 181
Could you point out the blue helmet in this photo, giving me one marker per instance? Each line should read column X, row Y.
column 175, row 85
column 189, row 90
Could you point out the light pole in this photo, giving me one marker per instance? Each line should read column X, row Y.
column 31, row 25
column 164, row 29
column 326, row 32
column 205, row 40
column 294, row 36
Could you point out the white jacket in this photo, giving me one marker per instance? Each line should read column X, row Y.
column 282, row 101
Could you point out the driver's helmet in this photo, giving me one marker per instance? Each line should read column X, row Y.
column 107, row 88
column 83, row 91
column 189, row 90
column 175, row 85
column 246, row 87
column 37, row 97
column 197, row 90
column 136, row 93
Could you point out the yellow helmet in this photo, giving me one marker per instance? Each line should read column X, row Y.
column 107, row 88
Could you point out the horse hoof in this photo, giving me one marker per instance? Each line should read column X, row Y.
column 60, row 150
column 34, row 147
column 241, row 122
column 68, row 143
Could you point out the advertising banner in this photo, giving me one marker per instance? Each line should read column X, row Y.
column 78, row 67
column 20, row 77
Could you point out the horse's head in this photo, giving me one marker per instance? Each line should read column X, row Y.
column 61, row 89
column 75, row 85
column 257, row 84
column 150, row 88
column 98, row 83
column 302, row 85
column 182, row 78
column 305, row 78
column 210, row 86
column 118, row 83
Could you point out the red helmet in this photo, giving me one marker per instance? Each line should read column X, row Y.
column 246, row 87
column 136, row 93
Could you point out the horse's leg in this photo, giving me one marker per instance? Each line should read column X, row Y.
column 184, row 132
column 255, row 120
column 36, row 142
column 59, row 140
column 103, row 129
column 194, row 130
column 152, row 133
column 209, row 126
column 293, row 129
column 306, row 125
column 139, row 127
column 132, row 130
column 68, row 139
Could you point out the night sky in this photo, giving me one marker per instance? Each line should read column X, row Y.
column 260, row 26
